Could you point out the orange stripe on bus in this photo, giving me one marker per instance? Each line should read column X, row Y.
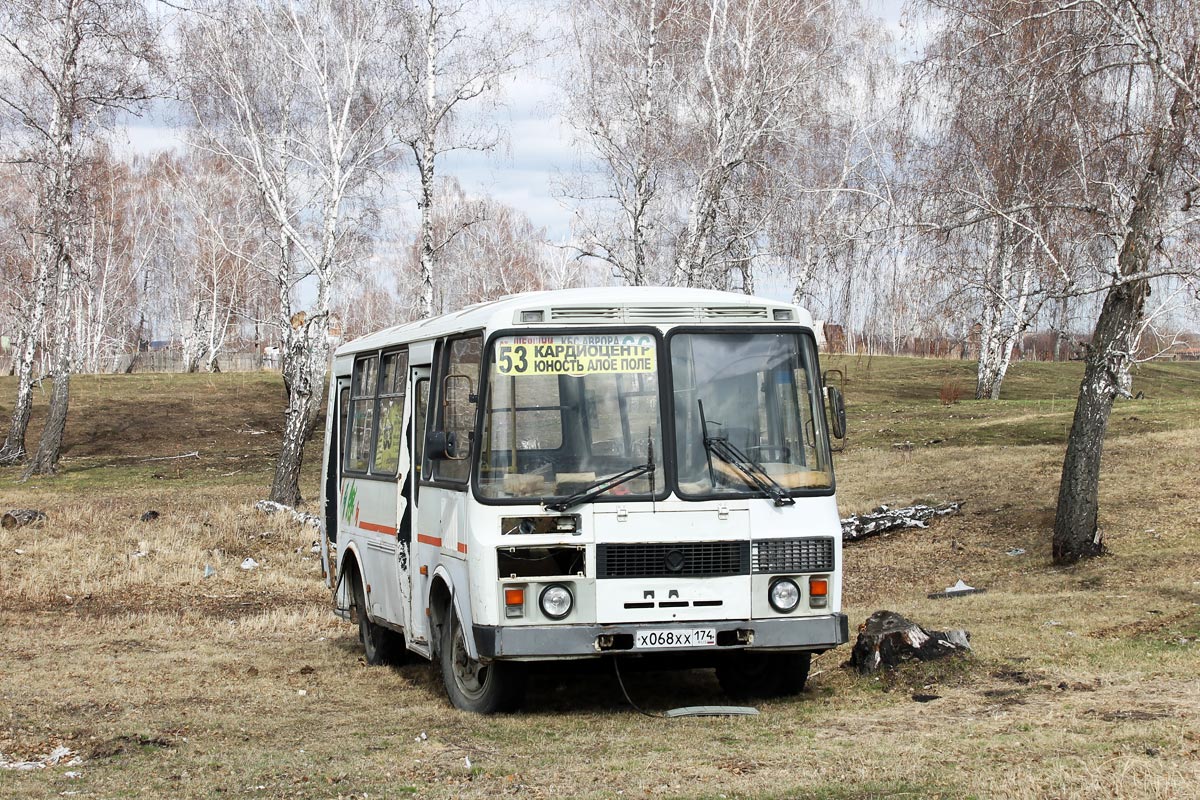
column 390, row 530
column 433, row 540
column 462, row 548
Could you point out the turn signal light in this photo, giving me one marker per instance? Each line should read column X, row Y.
column 514, row 601
column 818, row 592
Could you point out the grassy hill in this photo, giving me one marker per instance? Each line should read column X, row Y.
column 170, row 684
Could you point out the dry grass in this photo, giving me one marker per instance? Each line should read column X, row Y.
column 950, row 393
column 168, row 684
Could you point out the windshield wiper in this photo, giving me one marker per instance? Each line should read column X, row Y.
column 599, row 487
column 752, row 472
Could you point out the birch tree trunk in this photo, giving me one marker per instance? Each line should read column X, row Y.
column 693, row 248
column 426, row 169
column 1006, row 317
column 305, row 353
column 426, row 155
column 59, row 210
column 643, row 184
column 13, row 451
column 45, row 459
column 1076, row 531
column 990, row 321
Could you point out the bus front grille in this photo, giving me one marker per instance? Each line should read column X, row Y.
column 673, row 559
column 793, row 555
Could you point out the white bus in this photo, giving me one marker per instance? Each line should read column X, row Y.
column 582, row 474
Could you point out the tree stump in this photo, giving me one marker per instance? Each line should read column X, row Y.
column 887, row 638
column 20, row 517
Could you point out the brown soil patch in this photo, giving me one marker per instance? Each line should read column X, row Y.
column 1156, row 622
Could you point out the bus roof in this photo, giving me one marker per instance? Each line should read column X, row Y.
column 625, row 305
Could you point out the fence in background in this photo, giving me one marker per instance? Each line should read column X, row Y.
column 171, row 361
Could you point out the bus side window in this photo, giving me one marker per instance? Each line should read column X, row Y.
column 343, row 414
column 389, row 413
column 419, row 414
column 459, row 398
column 362, row 415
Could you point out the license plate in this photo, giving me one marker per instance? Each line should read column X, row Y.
column 675, row 637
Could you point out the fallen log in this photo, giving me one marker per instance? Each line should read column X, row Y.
column 304, row 518
column 20, row 517
column 193, row 454
column 887, row 638
column 886, row 519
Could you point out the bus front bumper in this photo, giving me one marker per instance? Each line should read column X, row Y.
column 582, row 641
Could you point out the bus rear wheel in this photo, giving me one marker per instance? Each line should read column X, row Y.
column 380, row 645
column 748, row 675
column 481, row 688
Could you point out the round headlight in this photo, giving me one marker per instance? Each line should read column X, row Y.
column 784, row 595
column 556, row 601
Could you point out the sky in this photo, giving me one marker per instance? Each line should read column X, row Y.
column 539, row 148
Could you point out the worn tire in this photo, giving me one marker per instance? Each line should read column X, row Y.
column 491, row 688
column 380, row 645
column 748, row 675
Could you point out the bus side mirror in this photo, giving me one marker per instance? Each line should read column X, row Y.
column 837, row 412
column 442, row 445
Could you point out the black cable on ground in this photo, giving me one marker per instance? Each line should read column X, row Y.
column 628, row 699
column 687, row 711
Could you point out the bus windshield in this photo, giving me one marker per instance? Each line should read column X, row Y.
column 566, row 411
column 747, row 415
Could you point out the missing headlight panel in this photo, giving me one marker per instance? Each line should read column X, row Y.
column 540, row 562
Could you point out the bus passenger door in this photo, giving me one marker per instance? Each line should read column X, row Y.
column 331, row 491
column 408, row 568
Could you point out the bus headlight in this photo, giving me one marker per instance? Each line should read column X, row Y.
column 556, row 601
column 784, row 595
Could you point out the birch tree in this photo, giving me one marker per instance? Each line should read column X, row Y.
column 18, row 260
column 1129, row 71
column 620, row 97
column 834, row 201
column 302, row 98
column 103, row 281
column 1143, row 62
column 460, row 52
column 217, row 239
column 999, row 178
column 754, row 80
column 697, row 112
column 118, row 239
column 71, row 64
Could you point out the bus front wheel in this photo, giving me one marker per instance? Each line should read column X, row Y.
column 490, row 688
column 747, row 675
